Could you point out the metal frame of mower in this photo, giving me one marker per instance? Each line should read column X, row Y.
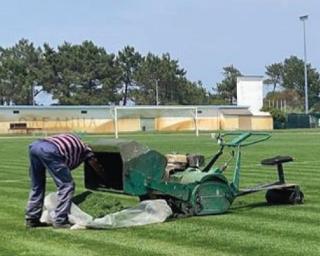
column 278, row 192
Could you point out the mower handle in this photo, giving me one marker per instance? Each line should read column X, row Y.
column 242, row 136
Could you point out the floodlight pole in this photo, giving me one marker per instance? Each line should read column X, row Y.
column 303, row 19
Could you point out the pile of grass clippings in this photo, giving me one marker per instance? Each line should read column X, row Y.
column 99, row 204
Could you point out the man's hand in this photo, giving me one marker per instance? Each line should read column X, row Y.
column 97, row 167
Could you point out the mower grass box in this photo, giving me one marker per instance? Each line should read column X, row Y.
column 134, row 169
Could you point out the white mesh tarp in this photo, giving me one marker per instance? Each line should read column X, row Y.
column 146, row 212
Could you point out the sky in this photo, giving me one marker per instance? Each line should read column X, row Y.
column 204, row 35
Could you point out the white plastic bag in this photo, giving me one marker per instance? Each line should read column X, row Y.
column 146, row 212
column 76, row 216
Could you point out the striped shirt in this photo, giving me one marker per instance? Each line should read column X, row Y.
column 72, row 148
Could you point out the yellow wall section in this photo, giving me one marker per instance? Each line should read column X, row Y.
column 129, row 125
column 208, row 124
column 245, row 122
column 186, row 124
column 94, row 126
column 91, row 126
column 262, row 123
column 174, row 124
column 99, row 122
column 229, row 123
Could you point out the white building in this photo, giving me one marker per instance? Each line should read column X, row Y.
column 250, row 93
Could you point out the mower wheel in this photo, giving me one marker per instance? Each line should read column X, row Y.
column 285, row 196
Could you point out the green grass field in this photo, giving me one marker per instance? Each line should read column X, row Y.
column 249, row 228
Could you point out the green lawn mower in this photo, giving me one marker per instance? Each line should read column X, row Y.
column 189, row 185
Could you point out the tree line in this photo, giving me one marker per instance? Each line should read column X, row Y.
column 86, row 74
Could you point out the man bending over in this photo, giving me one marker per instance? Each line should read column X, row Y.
column 58, row 154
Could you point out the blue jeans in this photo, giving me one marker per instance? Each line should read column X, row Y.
column 45, row 155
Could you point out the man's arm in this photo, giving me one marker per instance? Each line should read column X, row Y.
column 96, row 166
column 92, row 160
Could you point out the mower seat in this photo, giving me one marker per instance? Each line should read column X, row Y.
column 276, row 160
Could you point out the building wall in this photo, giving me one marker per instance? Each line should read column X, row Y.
column 187, row 124
column 230, row 123
column 100, row 120
column 57, row 119
column 254, row 123
column 262, row 123
column 250, row 92
column 92, row 126
column 209, row 123
column 174, row 124
column 245, row 122
column 128, row 125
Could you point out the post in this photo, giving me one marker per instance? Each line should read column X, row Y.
column 116, row 122
column 196, row 122
column 303, row 19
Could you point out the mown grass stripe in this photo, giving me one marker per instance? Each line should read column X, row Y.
column 233, row 239
column 118, row 244
column 249, row 228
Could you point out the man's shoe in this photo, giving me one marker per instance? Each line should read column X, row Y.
column 35, row 223
column 62, row 225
